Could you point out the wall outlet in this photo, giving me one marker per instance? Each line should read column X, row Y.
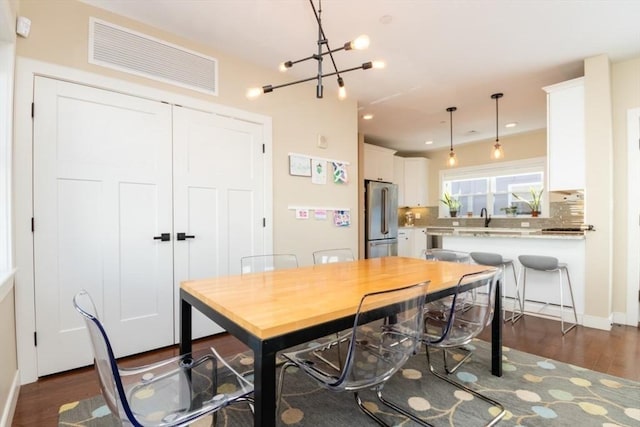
column 456, row 223
column 418, row 216
column 524, row 224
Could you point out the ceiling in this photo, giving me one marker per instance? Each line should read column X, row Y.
column 439, row 53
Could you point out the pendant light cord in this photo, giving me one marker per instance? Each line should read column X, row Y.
column 497, row 139
column 497, row 96
column 451, row 110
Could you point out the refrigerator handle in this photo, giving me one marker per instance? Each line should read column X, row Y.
column 385, row 216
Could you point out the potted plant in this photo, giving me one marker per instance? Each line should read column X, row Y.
column 452, row 203
column 534, row 203
column 511, row 211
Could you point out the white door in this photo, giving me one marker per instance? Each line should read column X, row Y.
column 102, row 192
column 218, row 199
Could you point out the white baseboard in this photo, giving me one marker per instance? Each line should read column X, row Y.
column 623, row 318
column 12, row 400
column 603, row 323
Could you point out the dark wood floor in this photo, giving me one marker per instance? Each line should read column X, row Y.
column 616, row 353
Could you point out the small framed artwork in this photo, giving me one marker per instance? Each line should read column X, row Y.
column 299, row 165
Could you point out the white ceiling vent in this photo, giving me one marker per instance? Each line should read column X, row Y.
column 132, row 52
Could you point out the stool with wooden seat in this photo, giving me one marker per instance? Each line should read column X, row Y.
column 496, row 260
column 549, row 264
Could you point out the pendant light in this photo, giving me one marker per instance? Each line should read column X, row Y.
column 497, row 153
column 453, row 160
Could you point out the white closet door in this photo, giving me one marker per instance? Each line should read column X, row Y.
column 218, row 199
column 102, row 192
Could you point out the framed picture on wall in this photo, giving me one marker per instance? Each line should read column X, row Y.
column 299, row 165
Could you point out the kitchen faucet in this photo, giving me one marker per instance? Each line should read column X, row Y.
column 487, row 218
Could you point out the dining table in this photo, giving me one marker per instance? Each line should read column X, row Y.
column 275, row 310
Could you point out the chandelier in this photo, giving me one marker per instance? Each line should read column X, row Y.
column 324, row 49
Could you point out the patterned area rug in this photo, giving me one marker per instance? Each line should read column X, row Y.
column 535, row 391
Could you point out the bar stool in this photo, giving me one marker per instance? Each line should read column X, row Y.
column 551, row 265
column 496, row 260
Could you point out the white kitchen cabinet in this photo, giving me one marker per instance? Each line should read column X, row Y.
column 565, row 135
column 398, row 178
column 378, row 163
column 419, row 243
column 405, row 242
column 412, row 242
column 416, row 171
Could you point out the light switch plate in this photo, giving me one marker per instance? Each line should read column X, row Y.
column 322, row 142
column 23, row 26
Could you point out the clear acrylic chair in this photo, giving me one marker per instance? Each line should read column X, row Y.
column 376, row 349
column 497, row 260
column 448, row 255
column 333, row 255
column 464, row 301
column 270, row 262
column 172, row 392
column 456, row 328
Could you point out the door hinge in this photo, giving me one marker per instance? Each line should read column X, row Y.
column 264, row 222
column 263, row 149
column 32, row 109
column 33, row 225
column 35, row 338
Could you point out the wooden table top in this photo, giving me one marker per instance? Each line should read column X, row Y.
column 277, row 302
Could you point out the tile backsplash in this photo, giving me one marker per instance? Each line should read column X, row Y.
column 562, row 214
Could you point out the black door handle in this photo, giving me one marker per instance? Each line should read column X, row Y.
column 184, row 236
column 164, row 237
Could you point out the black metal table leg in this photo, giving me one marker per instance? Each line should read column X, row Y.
column 185, row 326
column 496, row 334
column 264, row 389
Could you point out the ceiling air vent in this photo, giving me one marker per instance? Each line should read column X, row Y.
column 121, row 49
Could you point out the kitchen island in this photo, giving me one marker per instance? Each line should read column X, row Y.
column 568, row 247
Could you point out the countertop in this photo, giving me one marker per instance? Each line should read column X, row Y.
column 518, row 233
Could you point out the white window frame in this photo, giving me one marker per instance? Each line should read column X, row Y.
column 488, row 171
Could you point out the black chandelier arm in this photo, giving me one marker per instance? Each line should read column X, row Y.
column 290, row 64
column 364, row 66
column 270, row 88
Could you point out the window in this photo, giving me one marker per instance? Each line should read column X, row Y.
column 493, row 186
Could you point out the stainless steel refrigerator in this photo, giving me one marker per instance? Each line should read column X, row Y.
column 381, row 219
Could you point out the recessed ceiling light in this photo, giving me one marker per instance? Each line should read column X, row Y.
column 428, row 142
column 367, row 116
column 511, row 125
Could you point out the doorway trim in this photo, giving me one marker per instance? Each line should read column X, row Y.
column 26, row 69
column 633, row 216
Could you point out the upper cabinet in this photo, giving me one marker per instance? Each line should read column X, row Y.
column 378, row 163
column 565, row 135
column 398, row 177
column 411, row 176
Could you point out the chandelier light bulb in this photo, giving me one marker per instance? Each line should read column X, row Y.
column 378, row 65
column 360, row 43
column 254, row 92
column 342, row 91
column 283, row 67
